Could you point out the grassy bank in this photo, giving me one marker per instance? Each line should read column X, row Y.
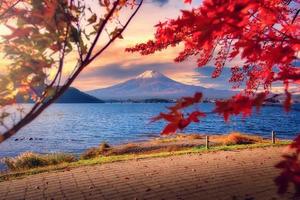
column 134, row 156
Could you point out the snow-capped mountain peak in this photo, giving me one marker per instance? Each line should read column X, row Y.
column 149, row 74
column 152, row 84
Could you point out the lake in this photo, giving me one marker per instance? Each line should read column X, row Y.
column 73, row 128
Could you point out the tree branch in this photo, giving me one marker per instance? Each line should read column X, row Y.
column 9, row 9
column 43, row 105
column 102, row 26
column 118, row 34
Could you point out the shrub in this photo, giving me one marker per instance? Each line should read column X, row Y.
column 104, row 147
column 25, row 160
column 94, row 151
column 29, row 160
column 238, row 138
column 90, row 153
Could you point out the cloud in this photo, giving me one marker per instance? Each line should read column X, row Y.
column 221, row 82
column 186, row 72
column 118, row 71
column 121, row 71
column 111, row 74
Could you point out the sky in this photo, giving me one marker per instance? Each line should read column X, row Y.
column 116, row 65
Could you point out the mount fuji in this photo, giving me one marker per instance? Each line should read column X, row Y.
column 154, row 85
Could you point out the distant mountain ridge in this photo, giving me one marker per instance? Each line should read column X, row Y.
column 72, row 95
column 154, row 85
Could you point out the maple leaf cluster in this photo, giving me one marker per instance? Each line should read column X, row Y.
column 264, row 35
column 239, row 104
column 176, row 119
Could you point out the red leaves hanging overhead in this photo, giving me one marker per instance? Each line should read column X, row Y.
column 50, row 8
column 288, row 101
column 264, row 33
column 235, row 29
column 176, row 118
column 289, row 74
column 186, row 102
column 187, row 1
column 239, row 104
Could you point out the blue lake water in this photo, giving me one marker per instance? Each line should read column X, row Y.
column 75, row 127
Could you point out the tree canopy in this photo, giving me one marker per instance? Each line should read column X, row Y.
column 264, row 35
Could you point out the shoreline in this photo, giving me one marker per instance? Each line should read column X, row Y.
column 208, row 175
column 162, row 147
column 20, row 175
column 151, row 138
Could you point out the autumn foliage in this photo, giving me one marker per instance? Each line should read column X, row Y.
column 42, row 36
column 176, row 118
column 263, row 35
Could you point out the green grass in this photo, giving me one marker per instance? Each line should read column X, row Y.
column 125, row 157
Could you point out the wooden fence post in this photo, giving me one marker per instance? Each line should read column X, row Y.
column 273, row 137
column 207, row 142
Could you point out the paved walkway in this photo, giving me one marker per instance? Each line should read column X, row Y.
column 245, row 174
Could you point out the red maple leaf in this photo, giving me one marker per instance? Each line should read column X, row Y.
column 176, row 118
column 239, row 104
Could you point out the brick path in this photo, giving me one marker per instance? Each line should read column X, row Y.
column 245, row 174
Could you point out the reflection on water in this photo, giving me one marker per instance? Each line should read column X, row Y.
column 75, row 127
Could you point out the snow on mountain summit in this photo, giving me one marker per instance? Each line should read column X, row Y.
column 149, row 74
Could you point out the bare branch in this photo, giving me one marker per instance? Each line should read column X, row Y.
column 102, row 26
column 118, row 34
